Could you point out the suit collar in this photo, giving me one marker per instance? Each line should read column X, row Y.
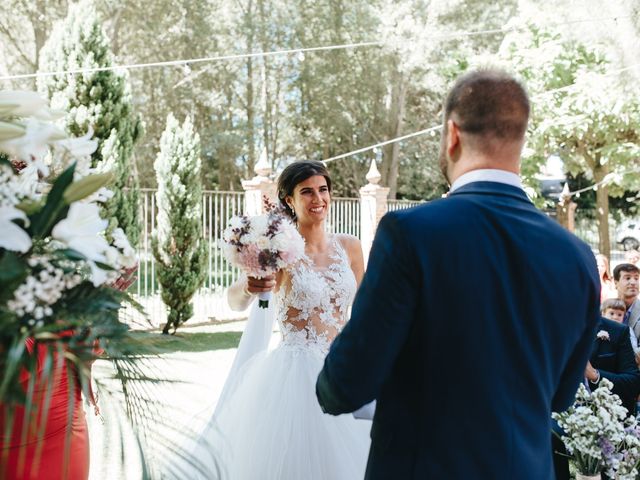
column 491, row 188
column 487, row 175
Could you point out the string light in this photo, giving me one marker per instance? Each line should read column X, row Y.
column 438, row 127
column 169, row 63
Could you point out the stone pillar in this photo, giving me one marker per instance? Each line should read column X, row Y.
column 258, row 187
column 566, row 210
column 373, row 205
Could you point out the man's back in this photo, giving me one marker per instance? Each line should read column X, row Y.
column 498, row 312
column 476, row 315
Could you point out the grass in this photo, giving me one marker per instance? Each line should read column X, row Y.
column 154, row 343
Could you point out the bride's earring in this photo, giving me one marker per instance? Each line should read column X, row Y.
column 293, row 212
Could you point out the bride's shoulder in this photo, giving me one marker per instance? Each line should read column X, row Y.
column 350, row 244
column 347, row 240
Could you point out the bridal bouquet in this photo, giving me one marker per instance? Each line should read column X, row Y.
column 56, row 257
column 263, row 244
column 598, row 434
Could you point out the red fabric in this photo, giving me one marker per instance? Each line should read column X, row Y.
column 64, row 448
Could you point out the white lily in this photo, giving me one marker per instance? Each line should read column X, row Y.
column 128, row 256
column 11, row 130
column 79, row 147
column 22, row 103
column 12, row 237
column 82, row 231
column 27, row 180
column 34, row 144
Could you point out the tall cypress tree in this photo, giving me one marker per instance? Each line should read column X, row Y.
column 97, row 100
column 178, row 244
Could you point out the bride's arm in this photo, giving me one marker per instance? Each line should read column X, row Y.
column 240, row 294
column 353, row 247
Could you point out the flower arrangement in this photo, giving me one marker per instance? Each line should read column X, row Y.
column 57, row 259
column 263, row 244
column 599, row 435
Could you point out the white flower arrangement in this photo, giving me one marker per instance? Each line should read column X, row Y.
column 599, row 435
column 55, row 258
column 603, row 335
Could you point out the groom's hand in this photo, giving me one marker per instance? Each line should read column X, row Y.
column 263, row 284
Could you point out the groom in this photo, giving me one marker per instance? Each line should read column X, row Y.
column 476, row 316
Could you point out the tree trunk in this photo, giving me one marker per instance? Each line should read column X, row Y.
column 602, row 210
column 392, row 152
column 251, row 162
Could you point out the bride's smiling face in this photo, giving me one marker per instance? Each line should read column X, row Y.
column 310, row 200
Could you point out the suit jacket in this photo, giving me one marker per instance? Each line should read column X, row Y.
column 634, row 318
column 615, row 360
column 475, row 320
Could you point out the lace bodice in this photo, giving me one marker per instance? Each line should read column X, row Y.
column 313, row 301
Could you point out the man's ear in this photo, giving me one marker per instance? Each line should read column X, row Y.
column 453, row 138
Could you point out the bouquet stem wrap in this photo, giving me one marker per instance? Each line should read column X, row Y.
column 263, row 299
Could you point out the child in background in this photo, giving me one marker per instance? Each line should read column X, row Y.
column 614, row 309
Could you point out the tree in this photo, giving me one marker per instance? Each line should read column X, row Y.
column 178, row 244
column 590, row 117
column 20, row 47
column 97, row 101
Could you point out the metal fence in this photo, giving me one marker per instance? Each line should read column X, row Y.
column 209, row 302
column 587, row 230
column 393, row 205
column 344, row 216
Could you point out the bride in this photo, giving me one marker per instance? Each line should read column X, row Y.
column 268, row 417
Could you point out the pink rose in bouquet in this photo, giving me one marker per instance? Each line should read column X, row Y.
column 263, row 244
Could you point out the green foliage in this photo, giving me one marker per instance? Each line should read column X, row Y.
column 590, row 117
column 55, row 208
column 178, row 245
column 98, row 101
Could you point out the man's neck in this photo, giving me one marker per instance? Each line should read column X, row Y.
column 628, row 301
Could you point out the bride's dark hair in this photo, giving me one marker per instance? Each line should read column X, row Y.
column 295, row 173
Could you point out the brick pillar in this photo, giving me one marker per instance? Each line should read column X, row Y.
column 373, row 205
column 259, row 186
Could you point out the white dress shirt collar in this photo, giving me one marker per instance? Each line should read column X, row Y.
column 487, row 175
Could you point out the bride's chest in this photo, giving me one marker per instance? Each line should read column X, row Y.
column 312, row 287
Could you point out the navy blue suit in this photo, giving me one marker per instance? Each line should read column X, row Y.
column 475, row 320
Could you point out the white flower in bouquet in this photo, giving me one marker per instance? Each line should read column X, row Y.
column 82, row 231
column 12, row 237
column 16, row 187
column 127, row 256
column 263, row 244
column 21, row 103
column 594, row 428
column 41, row 290
column 79, row 150
column 33, row 146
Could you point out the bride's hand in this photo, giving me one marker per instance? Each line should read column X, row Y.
column 257, row 285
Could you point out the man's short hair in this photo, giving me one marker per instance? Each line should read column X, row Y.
column 489, row 103
column 613, row 304
column 624, row 267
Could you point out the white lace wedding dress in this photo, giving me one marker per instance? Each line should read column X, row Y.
column 271, row 423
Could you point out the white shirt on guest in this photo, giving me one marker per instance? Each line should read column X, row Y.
column 487, row 175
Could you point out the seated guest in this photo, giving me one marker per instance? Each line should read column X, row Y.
column 627, row 279
column 611, row 358
column 614, row 309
